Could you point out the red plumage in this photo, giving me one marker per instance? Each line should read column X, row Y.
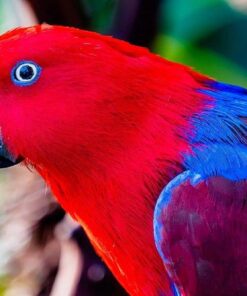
column 105, row 126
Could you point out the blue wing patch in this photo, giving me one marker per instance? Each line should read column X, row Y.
column 220, row 137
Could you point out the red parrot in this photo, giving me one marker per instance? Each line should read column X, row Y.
column 148, row 155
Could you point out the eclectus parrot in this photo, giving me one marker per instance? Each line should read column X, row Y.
column 148, row 155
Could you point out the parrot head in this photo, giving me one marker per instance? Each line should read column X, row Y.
column 67, row 94
column 53, row 95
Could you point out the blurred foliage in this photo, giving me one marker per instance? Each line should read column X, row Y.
column 101, row 13
column 190, row 20
column 201, row 34
column 204, row 60
column 3, row 285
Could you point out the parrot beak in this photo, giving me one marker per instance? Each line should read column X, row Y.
column 6, row 159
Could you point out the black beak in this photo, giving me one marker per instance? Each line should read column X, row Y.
column 6, row 159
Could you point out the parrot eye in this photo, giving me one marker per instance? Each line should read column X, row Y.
column 25, row 73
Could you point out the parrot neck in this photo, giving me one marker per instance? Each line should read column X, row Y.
column 118, row 218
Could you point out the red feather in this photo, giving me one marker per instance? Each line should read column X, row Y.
column 105, row 126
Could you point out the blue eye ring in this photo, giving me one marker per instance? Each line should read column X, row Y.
column 25, row 73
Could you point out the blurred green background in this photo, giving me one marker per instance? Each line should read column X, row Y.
column 208, row 35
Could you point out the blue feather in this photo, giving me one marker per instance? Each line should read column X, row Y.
column 219, row 141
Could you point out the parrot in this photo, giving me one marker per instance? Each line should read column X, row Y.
column 148, row 155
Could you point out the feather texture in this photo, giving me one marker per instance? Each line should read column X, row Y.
column 201, row 234
column 108, row 125
column 219, row 141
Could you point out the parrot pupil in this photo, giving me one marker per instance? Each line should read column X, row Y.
column 26, row 72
